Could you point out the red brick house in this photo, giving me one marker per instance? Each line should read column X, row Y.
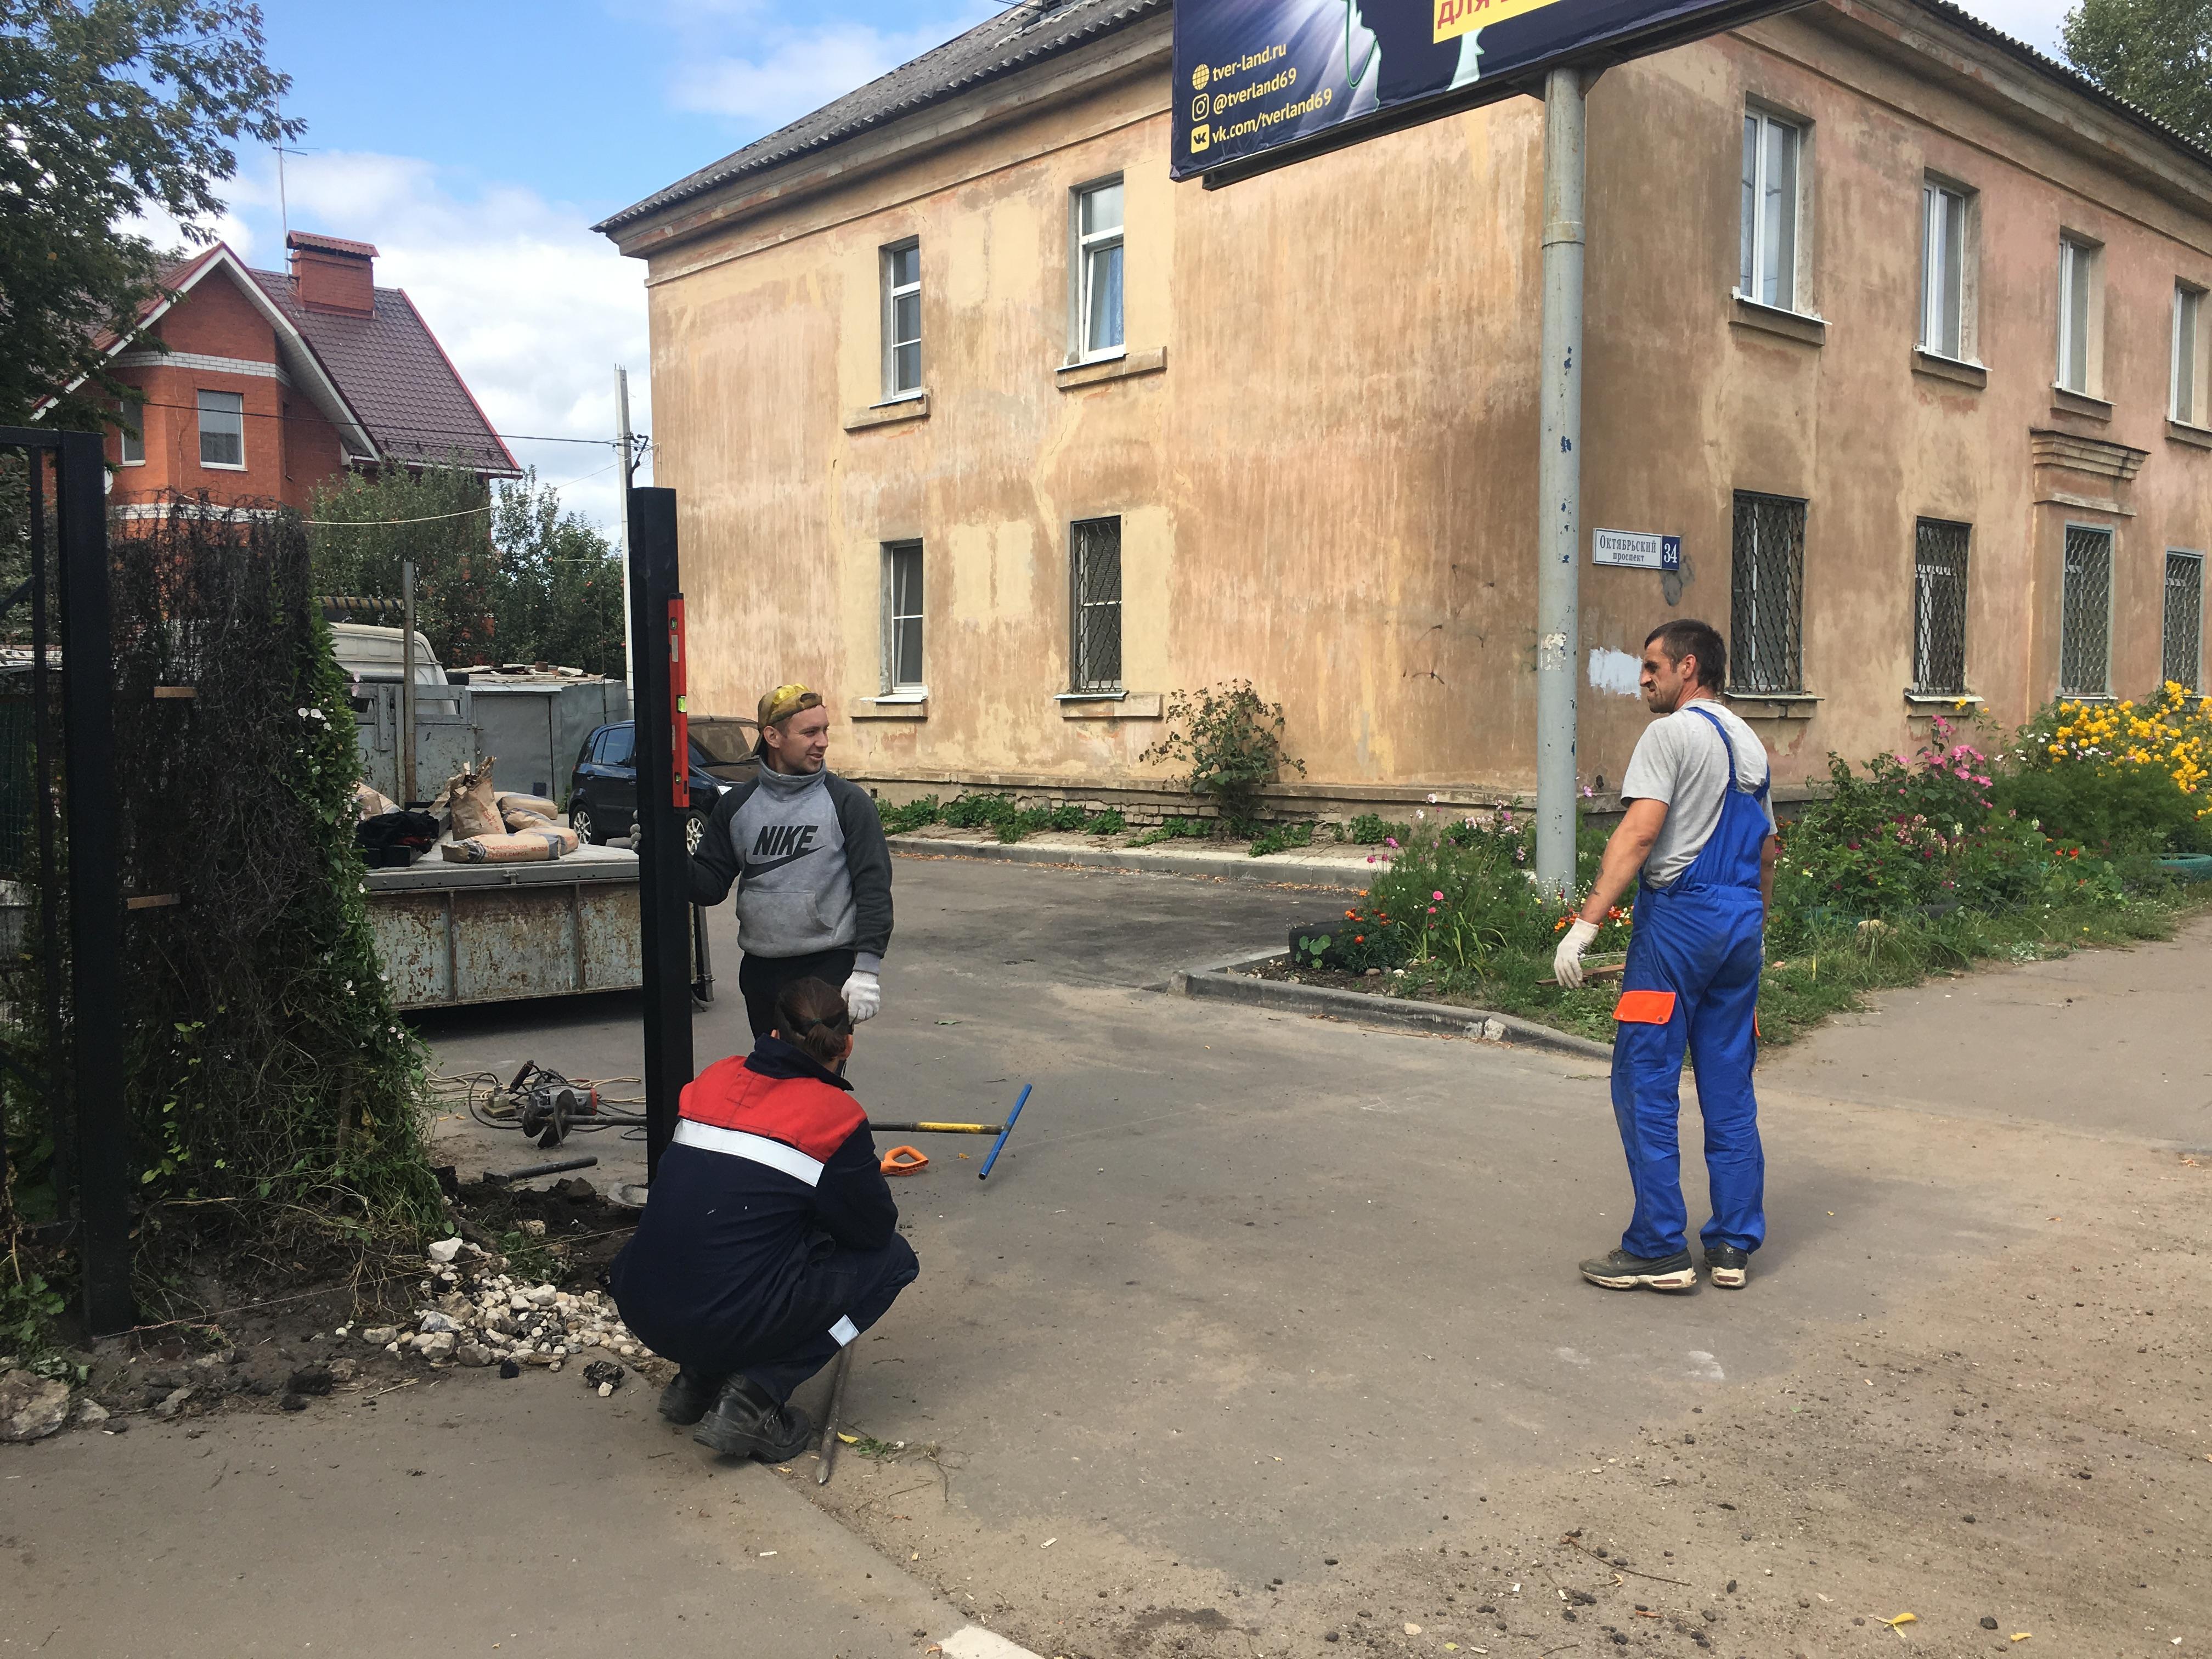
column 272, row 381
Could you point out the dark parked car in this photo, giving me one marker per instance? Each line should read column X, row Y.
column 603, row 792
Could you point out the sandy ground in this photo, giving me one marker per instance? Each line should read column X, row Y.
column 1265, row 1337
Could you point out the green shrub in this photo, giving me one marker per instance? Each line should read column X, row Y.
column 1108, row 823
column 978, row 811
column 1069, row 817
column 1371, row 829
column 1281, row 837
column 2116, row 809
column 1025, row 822
column 898, row 820
column 1232, row 743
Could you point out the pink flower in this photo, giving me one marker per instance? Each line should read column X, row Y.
column 1370, row 858
column 1438, row 896
column 1389, row 841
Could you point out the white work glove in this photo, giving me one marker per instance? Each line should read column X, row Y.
column 864, row 995
column 1567, row 960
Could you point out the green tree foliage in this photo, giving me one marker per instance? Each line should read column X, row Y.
column 2154, row 53
column 501, row 576
column 112, row 108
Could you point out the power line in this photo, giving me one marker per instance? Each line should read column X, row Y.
column 432, row 431
column 439, row 517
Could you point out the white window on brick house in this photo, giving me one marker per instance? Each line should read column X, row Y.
column 2188, row 370
column 1946, row 261
column 1773, row 163
column 2080, row 320
column 902, row 667
column 2085, row 619
column 223, row 429
column 902, row 319
column 1098, row 269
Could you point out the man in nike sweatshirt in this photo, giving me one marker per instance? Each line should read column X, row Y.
column 806, row 851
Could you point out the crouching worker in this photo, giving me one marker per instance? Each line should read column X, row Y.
column 771, row 1239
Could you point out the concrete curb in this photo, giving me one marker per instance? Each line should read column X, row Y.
column 1231, row 867
column 1215, row 980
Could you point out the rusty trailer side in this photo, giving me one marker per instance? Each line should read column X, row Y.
column 451, row 935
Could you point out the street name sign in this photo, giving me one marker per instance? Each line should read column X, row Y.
column 1635, row 550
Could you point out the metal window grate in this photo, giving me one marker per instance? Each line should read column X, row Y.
column 2184, row 657
column 2085, row 623
column 1766, row 622
column 1096, row 619
column 1939, row 605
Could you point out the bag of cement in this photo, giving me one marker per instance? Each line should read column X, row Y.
column 475, row 809
column 519, row 818
column 513, row 800
column 503, row 849
column 368, row 804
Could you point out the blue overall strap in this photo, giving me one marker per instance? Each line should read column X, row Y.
column 1727, row 748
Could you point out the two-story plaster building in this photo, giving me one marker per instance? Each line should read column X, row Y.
column 978, row 422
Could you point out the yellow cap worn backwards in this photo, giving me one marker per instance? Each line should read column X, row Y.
column 786, row 700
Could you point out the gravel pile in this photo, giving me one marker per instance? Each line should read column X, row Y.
column 472, row 1315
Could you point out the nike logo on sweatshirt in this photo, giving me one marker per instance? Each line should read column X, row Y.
column 779, row 844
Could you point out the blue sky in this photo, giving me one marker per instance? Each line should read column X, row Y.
column 474, row 142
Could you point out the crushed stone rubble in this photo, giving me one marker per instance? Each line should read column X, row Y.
column 475, row 1314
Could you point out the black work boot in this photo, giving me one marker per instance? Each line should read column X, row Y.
column 746, row 1422
column 1620, row 1271
column 687, row 1399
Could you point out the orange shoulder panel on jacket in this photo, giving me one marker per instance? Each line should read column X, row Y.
column 801, row 1112
column 1644, row 1008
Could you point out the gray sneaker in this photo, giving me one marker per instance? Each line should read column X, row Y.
column 1620, row 1271
column 1728, row 1266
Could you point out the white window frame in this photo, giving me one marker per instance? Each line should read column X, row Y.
column 201, row 412
column 2187, row 363
column 1763, row 120
column 2081, row 269
column 893, row 292
column 916, row 687
column 1082, row 246
column 1948, row 272
column 126, row 441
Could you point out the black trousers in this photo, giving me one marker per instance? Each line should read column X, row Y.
column 761, row 978
column 849, row 1291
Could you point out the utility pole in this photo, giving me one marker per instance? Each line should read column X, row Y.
column 1559, row 481
column 628, row 455
column 407, row 795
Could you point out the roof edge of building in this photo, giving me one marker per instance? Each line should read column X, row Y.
column 772, row 151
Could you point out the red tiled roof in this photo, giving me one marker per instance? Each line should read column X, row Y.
column 397, row 377
column 328, row 244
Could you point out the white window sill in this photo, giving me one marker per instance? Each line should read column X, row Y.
column 2188, row 432
column 1939, row 700
column 1804, row 326
column 902, row 694
column 140, row 461
column 1773, row 705
column 1115, row 355
column 224, row 467
column 888, row 709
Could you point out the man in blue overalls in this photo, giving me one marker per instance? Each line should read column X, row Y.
column 1698, row 836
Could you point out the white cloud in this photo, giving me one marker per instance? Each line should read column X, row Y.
column 793, row 71
column 2035, row 21
column 533, row 308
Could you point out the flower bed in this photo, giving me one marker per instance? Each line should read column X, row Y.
column 1909, row 865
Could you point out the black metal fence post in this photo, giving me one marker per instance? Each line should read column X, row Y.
column 95, row 888
column 664, row 866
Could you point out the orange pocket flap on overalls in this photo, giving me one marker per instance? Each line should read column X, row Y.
column 1644, row 1008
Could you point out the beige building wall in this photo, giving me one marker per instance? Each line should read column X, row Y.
column 1322, row 440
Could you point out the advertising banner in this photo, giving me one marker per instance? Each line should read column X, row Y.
column 1255, row 76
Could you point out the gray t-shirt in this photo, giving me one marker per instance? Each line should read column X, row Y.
column 1679, row 759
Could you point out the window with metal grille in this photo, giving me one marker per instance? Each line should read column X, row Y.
column 902, row 319
column 1098, row 262
column 1096, row 567
column 1767, row 265
column 2183, row 656
column 2085, row 621
column 903, row 616
column 1767, row 595
column 1939, row 605
column 223, row 429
